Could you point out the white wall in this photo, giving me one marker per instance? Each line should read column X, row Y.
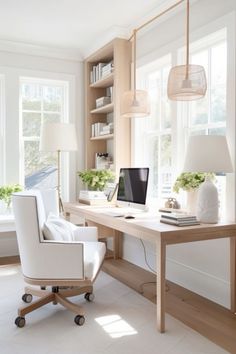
column 202, row 267
column 14, row 65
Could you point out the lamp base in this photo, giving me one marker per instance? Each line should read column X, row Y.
column 207, row 203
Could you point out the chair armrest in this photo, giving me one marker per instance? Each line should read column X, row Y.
column 61, row 260
column 87, row 234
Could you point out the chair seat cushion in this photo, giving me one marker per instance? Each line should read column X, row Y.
column 94, row 253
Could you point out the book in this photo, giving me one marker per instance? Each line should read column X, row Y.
column 98, row 128
column 93, row 201
column 96, row 72
column 176, row 223
column 88, row 195
column 180, row 222
column 102, row 101
column 179, row 217
column 109, row 92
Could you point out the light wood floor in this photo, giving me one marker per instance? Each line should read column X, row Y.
column 206, row 317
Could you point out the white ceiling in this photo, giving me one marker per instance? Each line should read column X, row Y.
column 78, row 25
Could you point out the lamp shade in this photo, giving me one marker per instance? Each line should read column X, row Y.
column 186, row 83
column 208, row 153
column 58, row 137
column 135, row 104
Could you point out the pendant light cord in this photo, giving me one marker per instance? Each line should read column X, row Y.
column 134, row 61
column 156, row 17
column 187, row 39
column 134, row 34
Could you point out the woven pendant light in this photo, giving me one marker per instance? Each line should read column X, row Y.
column 187, row 82
column 135, row 103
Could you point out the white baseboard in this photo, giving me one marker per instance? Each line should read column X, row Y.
column 192, row 278
column 205, row 284
column 8, row 244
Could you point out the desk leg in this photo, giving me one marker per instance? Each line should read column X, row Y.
column 118, row 244
column 233, row 273
column 161, row 265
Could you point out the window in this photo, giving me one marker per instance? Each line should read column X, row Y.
column 40, row 101
column 208, row 116
column 165, row 132
column 156, row 131
column 2, row 131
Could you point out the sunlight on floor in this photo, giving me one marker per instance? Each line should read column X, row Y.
column 115, row 326
column 6, row 271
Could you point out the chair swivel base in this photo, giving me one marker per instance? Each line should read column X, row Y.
column 56, row 296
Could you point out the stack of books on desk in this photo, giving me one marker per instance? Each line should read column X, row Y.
column 92, row 197
column 179, row 219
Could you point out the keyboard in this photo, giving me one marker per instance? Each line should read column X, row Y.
column 120, row 212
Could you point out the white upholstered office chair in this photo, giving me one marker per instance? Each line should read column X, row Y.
column 67, row 262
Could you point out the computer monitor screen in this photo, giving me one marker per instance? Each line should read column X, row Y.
column 132, row 186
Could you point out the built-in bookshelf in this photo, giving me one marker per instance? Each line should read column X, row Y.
column 107, row 76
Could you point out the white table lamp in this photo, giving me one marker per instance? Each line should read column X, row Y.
column 57, row 137
column 208, row 153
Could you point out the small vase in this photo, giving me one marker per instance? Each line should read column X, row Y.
column 192, row 201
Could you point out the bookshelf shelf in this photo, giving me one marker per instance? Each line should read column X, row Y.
column 103, row 137
column 105, row 82
column 117, row 53
column 108, row 108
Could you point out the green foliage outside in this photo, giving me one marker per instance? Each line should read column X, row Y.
column 6, row 192
column 190, row 180
column 96, row 179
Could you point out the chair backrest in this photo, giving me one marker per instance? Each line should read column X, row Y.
column 50, row 201
column 30, row 215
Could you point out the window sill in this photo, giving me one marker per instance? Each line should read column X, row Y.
column 7, row 223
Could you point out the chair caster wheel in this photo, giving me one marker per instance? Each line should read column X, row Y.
column 27, row 298
column 20, row 322
column 79, row 320
column 89, row 297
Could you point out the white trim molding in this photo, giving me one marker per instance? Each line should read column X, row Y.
column 205, row 284
column 40, row 50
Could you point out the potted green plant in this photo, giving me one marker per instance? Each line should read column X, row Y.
column 96, row 180
column 189, row 182
column 6, row 193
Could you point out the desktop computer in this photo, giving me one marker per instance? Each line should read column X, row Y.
column 132, row 192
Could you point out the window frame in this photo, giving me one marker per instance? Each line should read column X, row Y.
column 159, row 131
column 180, row 126
column 2, row 130
column 65, row 114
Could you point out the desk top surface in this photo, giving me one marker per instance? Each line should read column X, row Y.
column 147, row 225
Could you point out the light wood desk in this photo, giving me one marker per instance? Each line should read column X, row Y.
column 148, row 227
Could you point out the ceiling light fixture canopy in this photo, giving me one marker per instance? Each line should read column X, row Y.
column 185, row 83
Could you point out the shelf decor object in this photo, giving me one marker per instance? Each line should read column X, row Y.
column 135, row 103
column 208, row 153
column 58, row 137
column 187, row 82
